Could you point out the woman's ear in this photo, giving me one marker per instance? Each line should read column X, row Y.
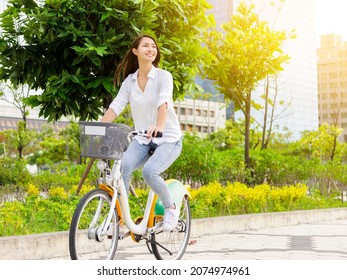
column 134, row 50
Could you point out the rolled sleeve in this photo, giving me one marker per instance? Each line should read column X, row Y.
column 165, row 89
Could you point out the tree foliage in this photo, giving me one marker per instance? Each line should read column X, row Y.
column 322, row 144
column 69, row 48
column 244, row 54
column 19, row 138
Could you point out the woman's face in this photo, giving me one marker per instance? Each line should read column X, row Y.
column 147, row 50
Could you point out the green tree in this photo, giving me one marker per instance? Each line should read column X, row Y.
column 322, row 144
column 230, row 137
column 19, row 139
column 244, row 54
column 69, row 48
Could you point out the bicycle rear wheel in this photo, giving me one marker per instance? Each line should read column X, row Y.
column 85, row 238
column 172, row 245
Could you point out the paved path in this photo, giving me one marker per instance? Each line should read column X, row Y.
column 324, row 241
column 266, row 252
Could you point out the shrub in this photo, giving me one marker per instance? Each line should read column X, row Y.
column 38, row 214
column 198, row 163
column 13, row 172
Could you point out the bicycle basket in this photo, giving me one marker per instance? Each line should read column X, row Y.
column 103, row 140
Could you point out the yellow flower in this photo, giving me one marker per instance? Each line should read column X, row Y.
column 33, row 190
column 57, row 192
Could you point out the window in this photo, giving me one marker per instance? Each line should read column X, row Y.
column 333, row 85
column 332, row 75
column 333, row 95
column 333, row 105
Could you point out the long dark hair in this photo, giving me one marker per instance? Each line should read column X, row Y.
column 130, row 64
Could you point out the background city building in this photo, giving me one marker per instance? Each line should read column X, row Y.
column 201, row 116
column 332, row 82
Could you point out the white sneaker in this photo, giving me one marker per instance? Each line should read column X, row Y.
column 170, row 219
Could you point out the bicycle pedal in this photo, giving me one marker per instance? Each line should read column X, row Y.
column 123, row 236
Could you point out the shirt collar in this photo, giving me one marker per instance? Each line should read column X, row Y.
column 151, row 73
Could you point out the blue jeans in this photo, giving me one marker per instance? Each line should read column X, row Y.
column 163, row 156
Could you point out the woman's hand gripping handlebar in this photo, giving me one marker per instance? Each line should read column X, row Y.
column 143, row 133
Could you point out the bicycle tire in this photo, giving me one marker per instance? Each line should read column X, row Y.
column 172, row 245
column 85, row 238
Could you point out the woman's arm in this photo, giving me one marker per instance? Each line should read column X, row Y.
column 162, row 116
column 109, row 116
column 161, row 120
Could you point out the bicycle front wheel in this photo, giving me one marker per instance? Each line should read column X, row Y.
column 86, row 240
column 172, row 245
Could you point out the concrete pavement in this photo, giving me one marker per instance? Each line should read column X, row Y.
column 312, row 234
column 316, row 241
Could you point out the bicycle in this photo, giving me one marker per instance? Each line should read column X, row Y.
column 94, row 229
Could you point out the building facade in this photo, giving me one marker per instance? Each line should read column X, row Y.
column 332, row 82
column 200, row 116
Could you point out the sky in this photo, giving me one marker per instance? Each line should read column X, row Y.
column 331, row 17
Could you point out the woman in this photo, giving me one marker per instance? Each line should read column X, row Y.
column 148, row 89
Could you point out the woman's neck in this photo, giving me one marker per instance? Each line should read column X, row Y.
column 144, row 69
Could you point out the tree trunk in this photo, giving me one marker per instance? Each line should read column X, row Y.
column 20, row 151
column 247, row 129
column 84, row 176
column 334, row 148
column 263, row 145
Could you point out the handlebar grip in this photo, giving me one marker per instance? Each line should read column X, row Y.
column 159, row 134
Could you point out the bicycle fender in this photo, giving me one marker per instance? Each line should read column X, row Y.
column 177, row 191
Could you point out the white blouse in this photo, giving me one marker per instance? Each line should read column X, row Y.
column 144, row 105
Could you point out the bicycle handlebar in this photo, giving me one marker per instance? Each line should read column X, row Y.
column 143, row 133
